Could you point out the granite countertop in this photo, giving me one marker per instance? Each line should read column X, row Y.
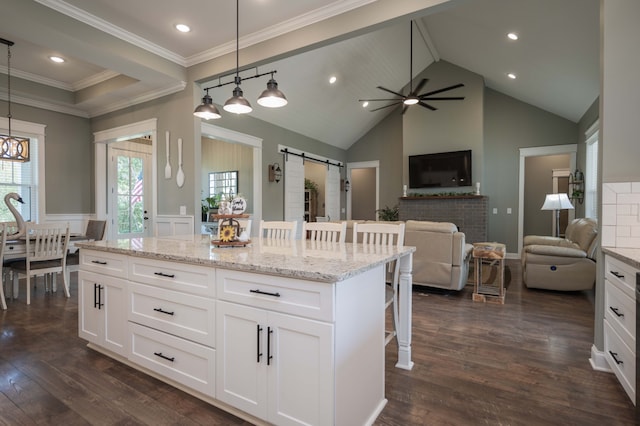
column 304, row 259
column 628, row 255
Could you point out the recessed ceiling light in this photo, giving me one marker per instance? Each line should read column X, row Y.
column 511, row 75
column 332, row 79
column 183, row 28
column 365, row 104
column 512, row 36
column 56, row 59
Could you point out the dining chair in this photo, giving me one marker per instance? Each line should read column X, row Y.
column 325, row 231
column 3, row 241
column 245, row 225
column 95, row 231
column 384, row 234
column 46, row 245
column 283, row 230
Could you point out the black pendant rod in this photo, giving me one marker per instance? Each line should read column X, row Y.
column 304, row 156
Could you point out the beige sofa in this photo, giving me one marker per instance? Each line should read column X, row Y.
column 566, row 264
column 442, row 256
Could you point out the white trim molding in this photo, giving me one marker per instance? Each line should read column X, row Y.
column 363, row 165
column 599, row 361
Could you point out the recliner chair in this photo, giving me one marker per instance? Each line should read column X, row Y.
column 564, row 264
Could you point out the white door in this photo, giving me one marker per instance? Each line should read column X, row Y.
column 332, row 193
column 294, row 190
column 299, row 372
column 129, row 201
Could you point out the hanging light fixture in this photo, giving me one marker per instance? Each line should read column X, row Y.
column 237, row 104
column 272, row 97
column 12, row 148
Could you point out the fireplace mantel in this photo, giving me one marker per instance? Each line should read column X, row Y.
column 468, row 212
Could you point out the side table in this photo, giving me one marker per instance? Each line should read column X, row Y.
column 488, row 257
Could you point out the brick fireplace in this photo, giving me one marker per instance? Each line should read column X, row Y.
column 468, row 212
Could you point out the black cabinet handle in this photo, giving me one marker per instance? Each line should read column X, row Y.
column 162, row 311
column 266, row 293
column 159, row 354
column 615, row 311
column 95, row 296
column 100, row 304
column 615, row 358
column 98, row 262
column 269, row 356
column 617, row 274
column 258, row 333
column 162, row 274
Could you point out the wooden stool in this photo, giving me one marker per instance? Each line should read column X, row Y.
column 492, row 255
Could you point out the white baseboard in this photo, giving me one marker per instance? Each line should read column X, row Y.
column 598, row 360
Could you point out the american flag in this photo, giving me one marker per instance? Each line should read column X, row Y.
column 136, row 193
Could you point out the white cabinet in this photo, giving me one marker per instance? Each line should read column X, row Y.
column 620, row 322
column 102, row 314
column 274, row 366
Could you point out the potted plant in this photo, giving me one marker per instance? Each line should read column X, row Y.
column 210, row 205
column 389, row 214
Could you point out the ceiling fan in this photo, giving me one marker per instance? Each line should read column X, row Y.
column 414, row 96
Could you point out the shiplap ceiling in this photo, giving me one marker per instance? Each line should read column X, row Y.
column 556, row 58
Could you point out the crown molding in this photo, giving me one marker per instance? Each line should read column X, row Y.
column 37, row 103
column 145, row 97
column 92, row 80
column 107, row 27
column 37, row 78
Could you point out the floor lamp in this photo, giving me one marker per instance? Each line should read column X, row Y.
column 557, row 202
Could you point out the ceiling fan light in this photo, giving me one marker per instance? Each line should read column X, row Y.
column 272, row 97
column 411, row 100
column 207, row 109
column 237, row 104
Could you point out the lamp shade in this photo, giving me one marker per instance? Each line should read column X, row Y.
column 237, row 104
column 272, row 97
column 207, row 109
column 557, row 202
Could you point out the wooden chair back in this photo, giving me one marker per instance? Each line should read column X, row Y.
column 325, row 231
column 282, row 230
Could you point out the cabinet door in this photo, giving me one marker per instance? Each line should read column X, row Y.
column 115, row 315
column 241, row 359
column 300, row 371
column 89, row 316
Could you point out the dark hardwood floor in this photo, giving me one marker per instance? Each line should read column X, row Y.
column 522, row 363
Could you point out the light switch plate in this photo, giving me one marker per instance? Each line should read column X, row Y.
column 183, row 210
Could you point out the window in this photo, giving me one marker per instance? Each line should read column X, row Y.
column 591, row 172
column 223, row 183
column 21, row 178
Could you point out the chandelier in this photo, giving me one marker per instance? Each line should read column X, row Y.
column 12, row 148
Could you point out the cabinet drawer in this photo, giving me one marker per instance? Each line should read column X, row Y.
column 620, row 310
column 621, row 274
column 185, row 362
column 287, row 295
column 624, row 363
column 194, row 279
column 184, row 315
column 103, row 262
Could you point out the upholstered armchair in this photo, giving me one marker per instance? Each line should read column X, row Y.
column 442, row 256
column 566, row 264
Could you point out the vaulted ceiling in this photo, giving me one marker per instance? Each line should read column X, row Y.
column 120, row 53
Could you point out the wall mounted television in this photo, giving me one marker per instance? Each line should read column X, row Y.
column 440, row 170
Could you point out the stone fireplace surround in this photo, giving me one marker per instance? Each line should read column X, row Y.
column 468, row 212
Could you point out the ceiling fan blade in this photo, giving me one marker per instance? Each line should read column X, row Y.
column 427, row 106
column 444, row 89
column 442, row 98
column 420, row 86
column 371, row 100
column 386, row 106
column 391, row 91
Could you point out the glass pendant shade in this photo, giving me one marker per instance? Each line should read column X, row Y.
column 237, row 104
column 207, row 109
column 14, row 149
column 272, row 97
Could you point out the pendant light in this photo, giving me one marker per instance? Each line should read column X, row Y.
column 12, row 148
column 272, row 97
column 207, row 109
column 237, row 104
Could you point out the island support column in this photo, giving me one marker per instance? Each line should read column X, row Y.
column 405, row 311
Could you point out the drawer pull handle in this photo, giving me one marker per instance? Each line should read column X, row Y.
column 617, row 274
column 266, row 293
column 615, row 358
column 164, row 356
column 615, row 311
column 98, row 262
column 258, row 353
column 162, row 274
column 269, row 356
column 162, row 311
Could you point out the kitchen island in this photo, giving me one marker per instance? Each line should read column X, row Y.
column 278, row 332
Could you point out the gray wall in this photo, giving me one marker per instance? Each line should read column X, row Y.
column 363, row 187
column 69, row 158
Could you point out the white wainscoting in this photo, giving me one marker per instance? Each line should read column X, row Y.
column 77, row 222
column 172, row 225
